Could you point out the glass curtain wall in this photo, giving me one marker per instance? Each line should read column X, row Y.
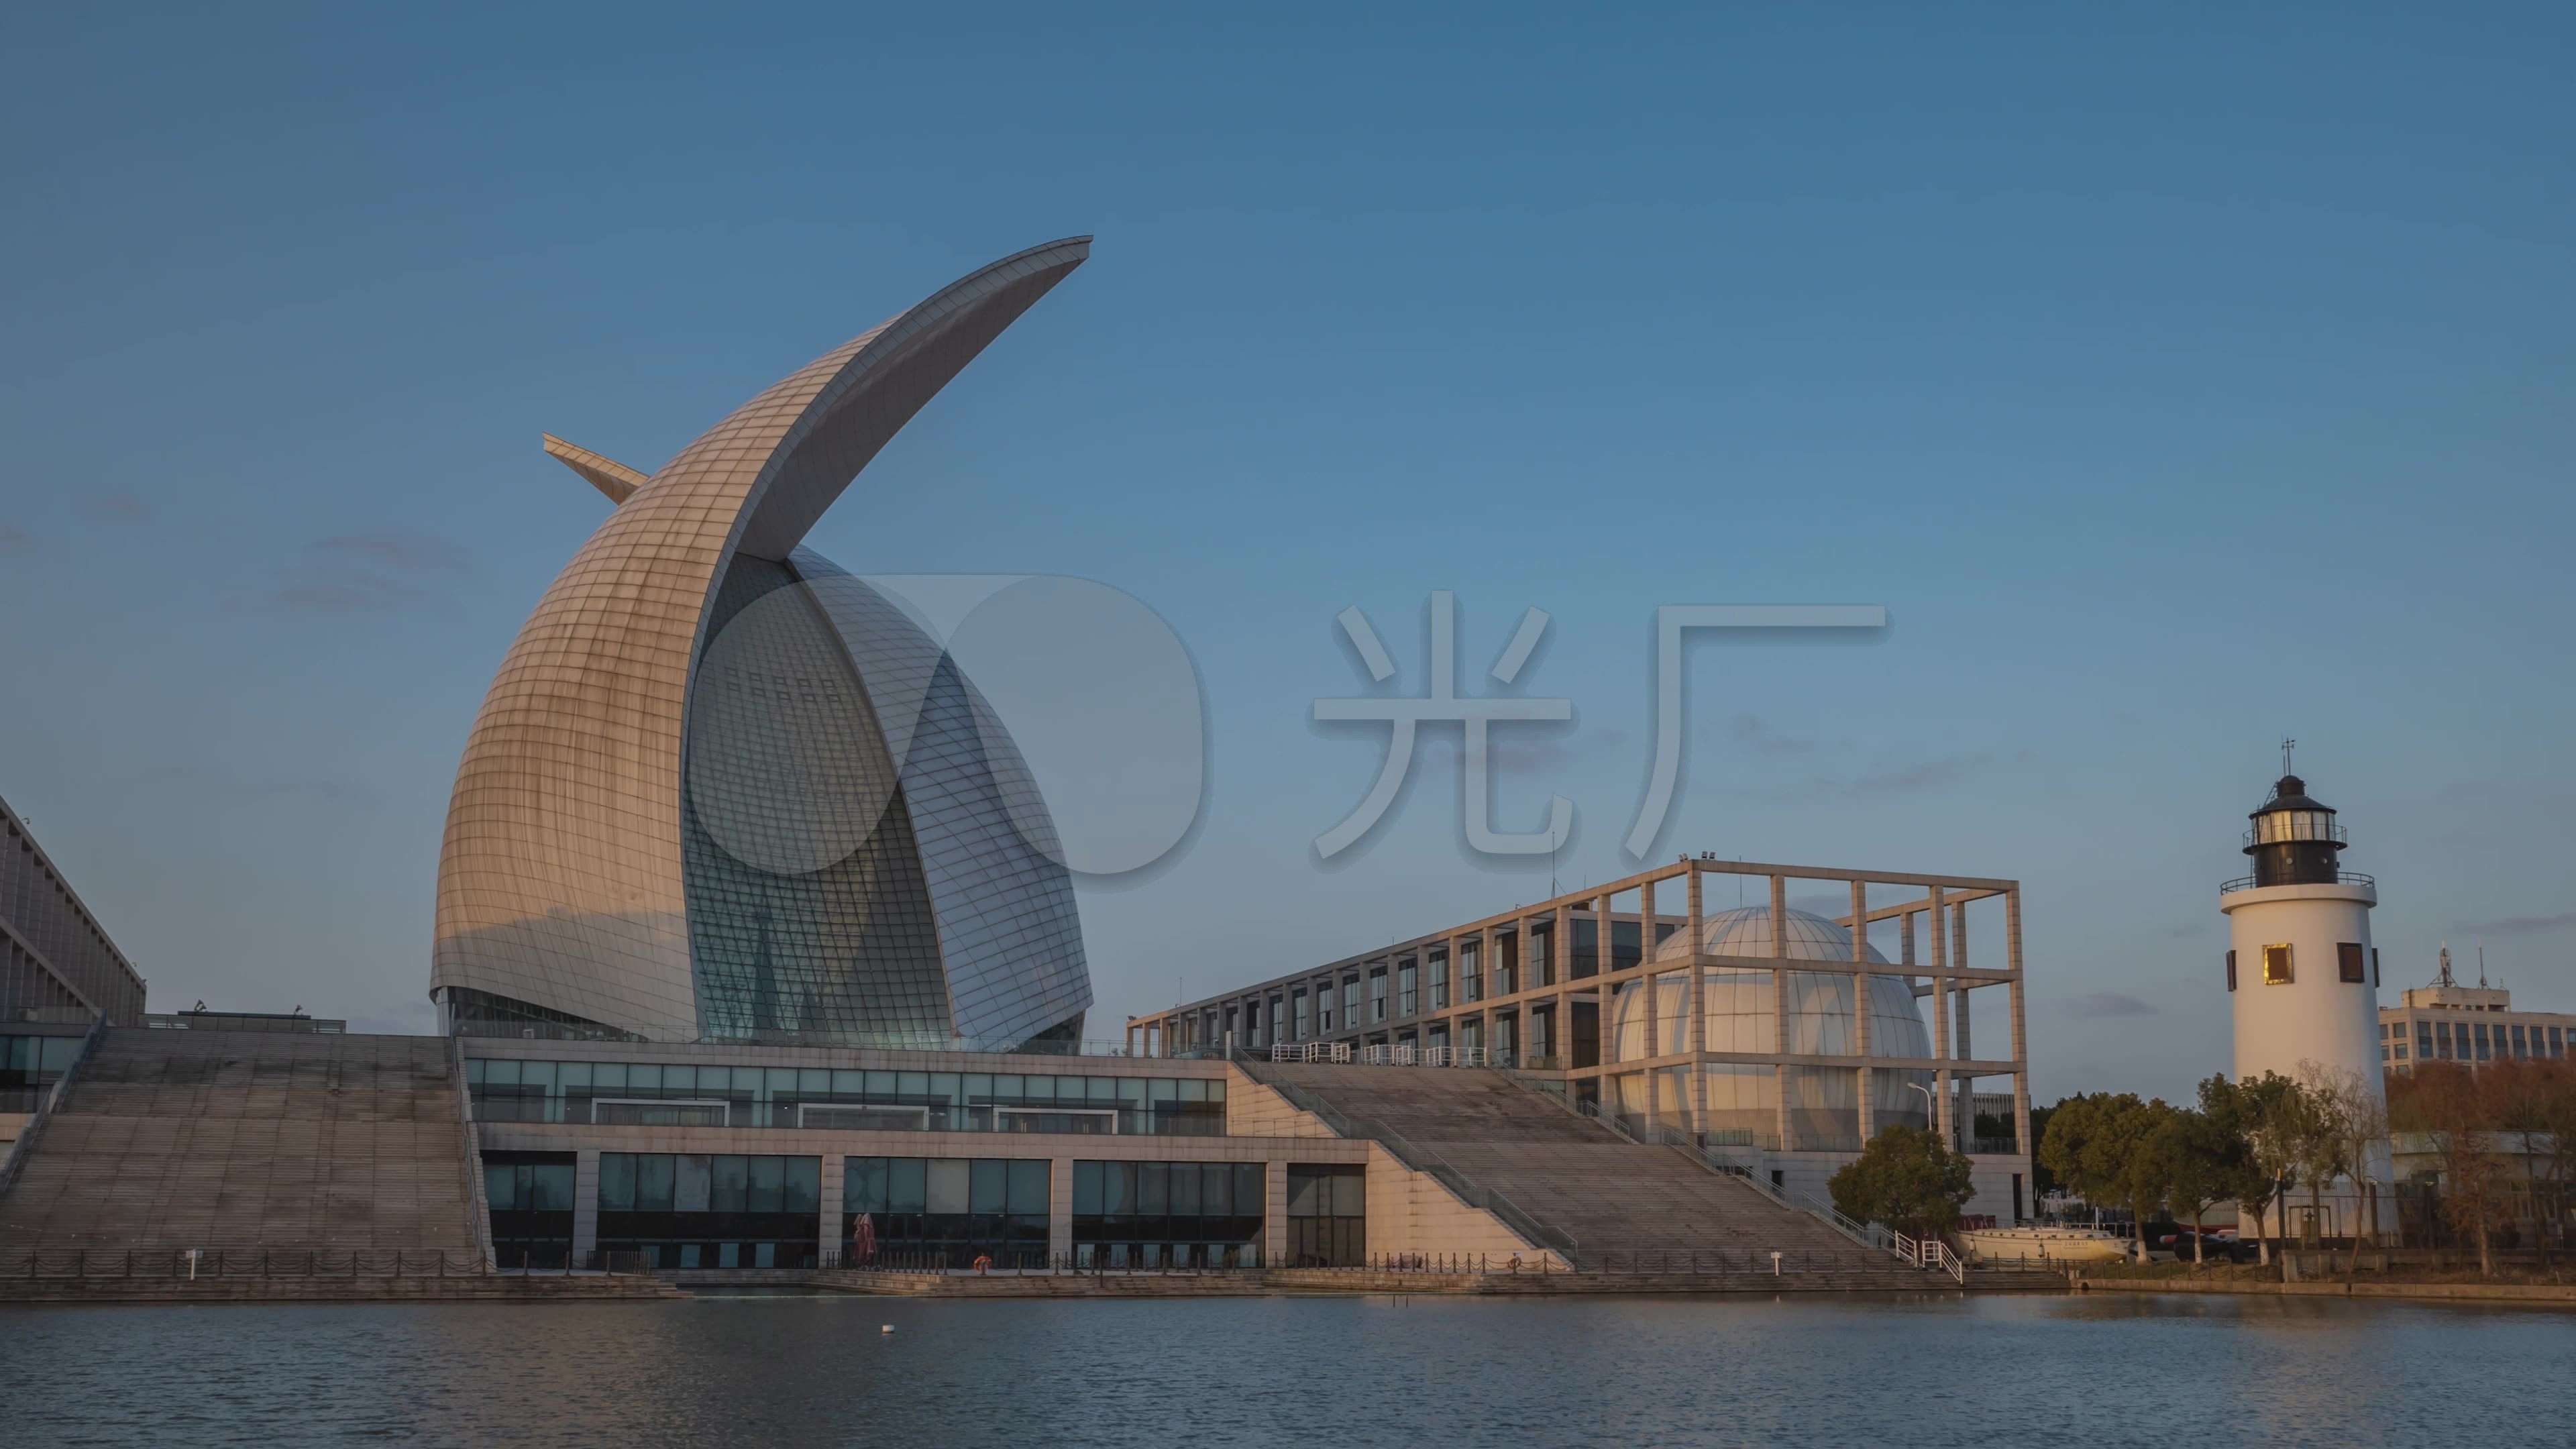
column 945, row 1212
column 1167, row 1214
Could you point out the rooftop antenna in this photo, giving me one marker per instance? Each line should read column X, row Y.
column 2287, row 745
column 2482, row 963
column 2445, row 978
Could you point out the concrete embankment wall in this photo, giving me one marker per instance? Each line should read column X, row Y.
column 2562, row 1295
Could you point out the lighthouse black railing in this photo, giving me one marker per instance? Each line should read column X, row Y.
column 2342, row 877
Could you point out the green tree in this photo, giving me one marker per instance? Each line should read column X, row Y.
column 2272, row 1113
column 2043, row 1183
column 2098, row 1145
column 2200, row 1161
column 1906, row 1179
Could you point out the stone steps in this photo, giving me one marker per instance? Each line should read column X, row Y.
column 1610, row 1195
column 215, row 1139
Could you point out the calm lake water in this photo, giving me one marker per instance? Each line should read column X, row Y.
column 2163, row 1372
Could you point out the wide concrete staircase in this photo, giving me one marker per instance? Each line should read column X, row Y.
column 1625, row 1206
column 172, row 1140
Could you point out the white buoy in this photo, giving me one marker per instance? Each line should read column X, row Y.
column 885, row 1328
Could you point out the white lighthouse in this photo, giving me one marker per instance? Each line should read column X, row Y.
column 2302, row 975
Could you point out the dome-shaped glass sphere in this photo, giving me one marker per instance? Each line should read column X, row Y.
column 1743, row 1098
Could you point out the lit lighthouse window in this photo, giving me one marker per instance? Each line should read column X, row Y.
column 2276, row 965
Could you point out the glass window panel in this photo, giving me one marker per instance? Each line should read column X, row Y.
column 653, row 1182
column 689, row 1175
column 1193, row 1089
column 1069, row 1091
column 1006, row 1088
column 550, row 1187
column 500, row 1187
column 715, row 1081
column 537, row 1074
column 1301, row 1195
column 1216, row 1090
column 574, row 1077
column 988, row 1185
column 978, row 1087
column 1248, row 1199
column 643, row 1079
column 1153, row 1188
column 18, row 1045
column 1041, row 1091
column 1185, row 1189
column 911, row 1086
column 1118, row 1188
column 813, row 1082
column 501, row 1074
column 1216, row 1189
column 1350, row 1194
column 679, row 1081
column 804, row 1185
column 608, row 1079
column 849, row 1084
column 782, row 1083
column 768, row 1183
column 1162, row 1091
column 881, row 1086
column 1028, row 1188
column 1105, row 1091
column 948, row 1186
column 729, row 1184
column 1086, row 1189
column 616, row 1182
column 943, row 1088
column 864, row 1186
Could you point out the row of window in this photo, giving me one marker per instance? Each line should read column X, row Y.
column 2470, row 1041
column 585, row 1092
column 2280, row 965
column 715, row 1210
column 1308, row 1011
column 685, row 1182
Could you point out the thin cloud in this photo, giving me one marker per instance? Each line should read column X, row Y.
column 377, row 572
column 1922, row 775
column 2109, row 1003
column 1527, row 756
column 1755, row 735
column 2517, row 925
column 399, row 549
column 235, row 787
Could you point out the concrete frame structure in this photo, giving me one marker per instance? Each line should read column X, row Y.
column 1554, row 994
column 722, row 789
column 56, row 962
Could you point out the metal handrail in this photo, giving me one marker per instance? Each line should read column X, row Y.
column 470, row 1142
column 2342, row 877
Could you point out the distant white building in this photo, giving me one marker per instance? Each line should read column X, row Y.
column 2448, row 1022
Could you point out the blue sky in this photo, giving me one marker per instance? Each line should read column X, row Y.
column 2178, row 381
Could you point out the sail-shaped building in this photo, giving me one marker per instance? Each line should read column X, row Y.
column 723, row 790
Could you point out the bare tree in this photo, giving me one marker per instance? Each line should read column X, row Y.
column 2448, row 1104
column 2350, row 1113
